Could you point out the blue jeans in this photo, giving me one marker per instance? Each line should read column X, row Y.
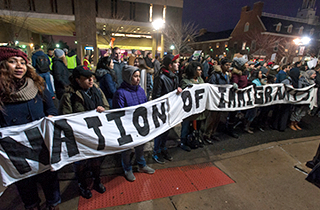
column 46, row 77
column 126, row 160
column 160, row 142
column 29, row 192
column 184, row 129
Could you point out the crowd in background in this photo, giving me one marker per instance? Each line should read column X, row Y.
column 119, row 81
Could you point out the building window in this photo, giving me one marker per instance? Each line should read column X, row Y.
column 164, row 12
column 150, row 12
column 31, row 5
column 235, row 46
column 253, row 44
column 97, row 8
column 278, row 29
column 217, row 45
column 276, row 47
column 246, row 27
column 114, row 8
column 311, row 31
column 54, row 5
column 289, row 30
column 244, row 44
column 132, row 10
column 7, row 4
column 72, row 4
column 301, row 30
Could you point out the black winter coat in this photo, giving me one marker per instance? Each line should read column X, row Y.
column 166, row 82
column 61, row 76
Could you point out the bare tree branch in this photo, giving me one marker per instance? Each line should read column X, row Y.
column 180, row 36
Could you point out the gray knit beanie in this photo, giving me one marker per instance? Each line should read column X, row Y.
column 239, row 62
column 58, row 53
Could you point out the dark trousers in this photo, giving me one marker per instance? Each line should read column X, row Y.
column 211, row 123
column 280, row 116
column 160, row 142
column 92, row 165
column 28, row 190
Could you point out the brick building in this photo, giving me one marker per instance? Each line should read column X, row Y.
column 259, row 35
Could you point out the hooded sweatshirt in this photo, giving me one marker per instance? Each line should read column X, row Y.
column 128, row 94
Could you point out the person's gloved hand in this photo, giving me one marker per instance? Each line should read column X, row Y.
column 235, row 86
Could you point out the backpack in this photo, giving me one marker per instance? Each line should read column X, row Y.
column 42, row 64
column 193, row 139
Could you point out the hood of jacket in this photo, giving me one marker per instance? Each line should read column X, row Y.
column 127, row 73
column 100, row 73
column 38, row 52
column 236, row 71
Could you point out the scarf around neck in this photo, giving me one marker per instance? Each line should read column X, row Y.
column 26, row 92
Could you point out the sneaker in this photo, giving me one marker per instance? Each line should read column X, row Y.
column 85, row 192
column 166, row 155
column 207, row 140
column 129, row 176
column 99, row 187
column 185, row 147
column 158, row 158
column 232, row 133
column 146, row 169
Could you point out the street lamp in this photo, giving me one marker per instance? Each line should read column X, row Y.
column 158, row 24
column 302, row 44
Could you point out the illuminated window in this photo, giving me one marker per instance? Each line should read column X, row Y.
column 311, row 32
column 278, row 29
column 244, row 45
column 301, row 30
column 289, row 30
column 164, row 12
column 150, row 12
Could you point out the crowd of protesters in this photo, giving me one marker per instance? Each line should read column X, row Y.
column 27, row 94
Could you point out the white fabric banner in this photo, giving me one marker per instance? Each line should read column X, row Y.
column 51, row 143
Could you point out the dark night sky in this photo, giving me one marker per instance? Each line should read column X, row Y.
column 224, row 14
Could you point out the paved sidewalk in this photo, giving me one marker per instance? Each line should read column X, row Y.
column 265, row 178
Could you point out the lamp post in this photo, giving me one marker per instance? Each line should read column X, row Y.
column 302, row 44
column 158, row 25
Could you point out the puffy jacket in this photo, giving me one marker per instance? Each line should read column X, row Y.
column 166, row 82
column 61, row 76
column 239, row 78
column 128, row 95
column 218, row 78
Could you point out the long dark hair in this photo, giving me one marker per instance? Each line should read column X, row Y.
column 142, row 63
column 104, row 63
column 191, row 69
column 8, row 81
